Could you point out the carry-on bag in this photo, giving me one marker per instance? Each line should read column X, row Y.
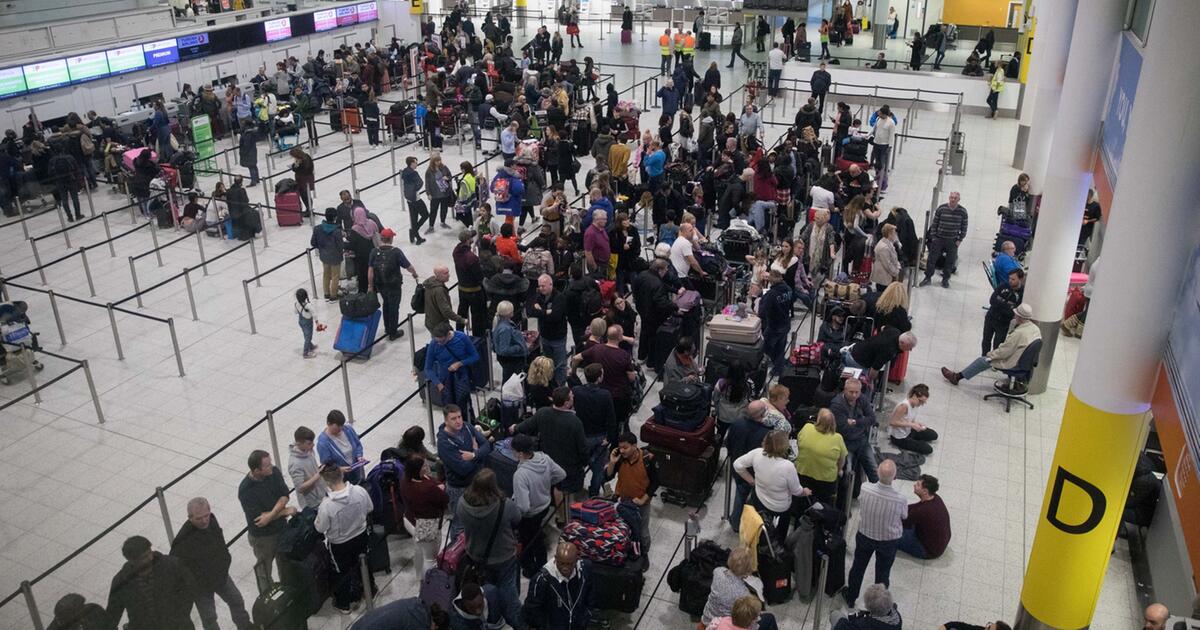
column 747, row 330
column 355, row 335
column 692, row 443
column 288, row 209
column 359, row 304
column 685, row 479
column 618, row 588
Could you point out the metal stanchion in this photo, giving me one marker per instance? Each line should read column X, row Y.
column 137, row 291
column 91, row 207
column 429, row 409
column 175, row 344
column 87, row 373
column 200, row 245
column 62, row 336
column 31, row 374
column 220, row 175
column 312, row 274
column 63, row 222
column 21, row 213
column 274, row 438
column 412, row 337
column 154, row 239
column 254, row 262
column 819, row 598
column 368, row 596
column 266, row 189
column 249, row 307
column 112, row 252
column 37, row 258
column 187, row 281
column 87, row 270
column 728, row 489
column 487, row 356
column 353, row 171
column 346, row 389
column 112, row 321
column 392, row 157
column 34, row 615
column 162, row 507
column 266, row 241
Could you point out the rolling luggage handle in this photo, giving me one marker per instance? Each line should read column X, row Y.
column 822, row 575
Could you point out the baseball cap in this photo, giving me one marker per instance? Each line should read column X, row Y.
column 387, row 233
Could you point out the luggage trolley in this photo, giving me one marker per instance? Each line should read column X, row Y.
column 18, row 345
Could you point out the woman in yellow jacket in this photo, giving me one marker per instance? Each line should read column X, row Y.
column 996, row 83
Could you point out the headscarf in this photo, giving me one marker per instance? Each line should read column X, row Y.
column 364, row 226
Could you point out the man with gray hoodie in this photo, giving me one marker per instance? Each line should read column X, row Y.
column 532, row 487
column 304, row 470
column 342, row 518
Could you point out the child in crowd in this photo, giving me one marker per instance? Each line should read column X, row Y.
column 307, row 320
column 668, row 232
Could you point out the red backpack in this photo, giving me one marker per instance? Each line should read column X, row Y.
column 500, row 189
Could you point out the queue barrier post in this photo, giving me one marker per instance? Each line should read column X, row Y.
column 187, row 281
column 63, row 223
column 137, row 291
column 37, row 258
column 221, row 175
column 91, row 206
column 249, row 307
column 112, row 321
column 21, row 213
column 266, row 241
column 429, row 412
column 254, row 263
column 412, row 337
column 270, row 175
column 30, row 603
column 346, row 389
column 369, row 597
column 112, row 252
column 203, row 259
column 175, row 345
column 31, row 374
column 392, row 157
column 274, row 436
column 820, row 599
column 154, row 239
column 312, row 274
column 87, row 270
column 91, row 383
column 353, row 172
column 166, row 515
column 62, row 336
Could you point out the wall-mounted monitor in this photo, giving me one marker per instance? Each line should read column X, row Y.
column 46, row 75
column 127, row 59
column 87, row 67
column 192, row 46
column 347, row 16
column 367, row 11
column 325, row 20
column 276, row 30
column 250, row 35
column 161, row 53
column 12, row 82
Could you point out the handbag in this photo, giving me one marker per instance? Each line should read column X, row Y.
column 470, row 570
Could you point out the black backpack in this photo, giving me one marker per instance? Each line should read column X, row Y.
column 590, row 301
column 387, row 270
column 300, row 537
column 418, row 300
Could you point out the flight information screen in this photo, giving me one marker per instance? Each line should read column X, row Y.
column 46, row 75
column 161, row 53
column 87, row 67
column 12, row 82
column 127, row 59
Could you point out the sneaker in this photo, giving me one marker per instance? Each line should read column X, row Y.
column 946, row 284
column 952, row 377
column 924, row 283
column 310, row 354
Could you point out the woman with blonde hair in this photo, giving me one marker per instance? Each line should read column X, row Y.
column 774, row 479
column 886, row 268
column 891, row 309
column 730, row 583
column 820, row 457
column 540, row 382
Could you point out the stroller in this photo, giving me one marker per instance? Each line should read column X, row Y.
column 286, row 124
column 17, row 342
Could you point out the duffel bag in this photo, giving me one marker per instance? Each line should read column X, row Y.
column 683, row 399
column 594, row 511
column 359, row 304
column 285, row 185
column 842, row 290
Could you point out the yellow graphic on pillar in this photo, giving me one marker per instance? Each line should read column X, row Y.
column 1089, row 480
column 1025, row 45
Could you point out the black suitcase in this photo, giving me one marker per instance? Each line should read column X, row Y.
column 162, row 214
column 685, row 480
column 481, row 370
column 618, row 588
column 662, row 344
column 804, row 52
column 335, row 119
column 802, row 384
column 826, row 154
column 276, row 609
column 309, row 579
column 705, row 40
column 681, row 399
column 379, row 557
column 775, row 570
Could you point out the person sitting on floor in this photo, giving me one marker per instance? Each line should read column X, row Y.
column 927, row 527
column 1007, row 354
column 904, row 430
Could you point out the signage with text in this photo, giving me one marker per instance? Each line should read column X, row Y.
column 12, row 82
column 46, row 75
column 1116, row 118
column 278, row 29
column 161, row 53
column 325, row 20
column 127, row 59
column 192, row 46
column 346, row 16
column 367, row 11
column 87, row 67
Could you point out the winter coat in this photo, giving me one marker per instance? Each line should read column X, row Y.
column 553, row 602
column 327, row 238
column 560, row 434
column 203, row 552
column 478, row 522
column 508, row 341
column 460, row 472
column 532, row 482
column 439, row 356
column 248, row 147
column 161, row 601
column 438, row 308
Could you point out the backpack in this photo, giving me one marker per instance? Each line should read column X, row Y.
column 591, row 301
column 387, row 272
column 418, row 300
column 500, row 189
column 300, row 537
column 383, row 486
column 474, row 94
column 537, row 261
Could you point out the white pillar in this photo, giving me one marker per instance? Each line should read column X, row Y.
column 1094, row 42
column 1051, row 43
column 1152, row 231
column 879, row 25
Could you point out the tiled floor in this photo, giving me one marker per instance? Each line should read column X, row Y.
column 66, row 478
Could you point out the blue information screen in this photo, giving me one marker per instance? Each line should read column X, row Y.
column 161, row 53
column 192, row 46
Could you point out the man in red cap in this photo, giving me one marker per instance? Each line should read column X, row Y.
column 384, row 276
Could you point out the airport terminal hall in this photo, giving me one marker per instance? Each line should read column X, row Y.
column 599, row 315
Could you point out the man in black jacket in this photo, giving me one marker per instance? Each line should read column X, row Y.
column 471, row 298
column 653, row 301
column 1007, row 296
column 808, row 116
column 775, row 311
column 594, row 406
column 820, row 83
column 549, row 307
column 245, row 226
column 560, row 596
column 200, row 546
column 156, row 590
column 560, row 436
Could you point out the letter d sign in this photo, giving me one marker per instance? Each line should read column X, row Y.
column 1061, row 478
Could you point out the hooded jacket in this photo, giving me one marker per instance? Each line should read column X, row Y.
column 601, row 145
column 808, row 116
column 343, row 514
column 532, row 481
column 516, row 193
column 327, row 238
column 301, row 466
column 160, row 601
column 439, row 356
column 490, row 619
column 203, row 552
column 559, row 603
column 459, row 472
column 478, row 521
column 594, row 406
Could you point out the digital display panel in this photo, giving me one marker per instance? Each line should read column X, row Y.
column 127, row 59
column 278, row 29
column 161, row 53
column 367, row 11
column 346, row 16
column 87, row 67
column 192, row 46
column 12, row 82
column 325, row 20
column 46, row 75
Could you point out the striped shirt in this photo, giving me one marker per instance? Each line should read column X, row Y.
column 881, row 511
column 950, row 222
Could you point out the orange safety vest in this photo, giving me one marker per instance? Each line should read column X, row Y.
column 678, row 41
column 689, row 46
column 664, row 41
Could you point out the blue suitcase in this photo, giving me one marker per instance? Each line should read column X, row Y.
column 355, row 334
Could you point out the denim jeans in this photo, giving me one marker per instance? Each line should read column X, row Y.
column 253, row 174
column 506, row 577
column 556, row 349
column 758, row 214
column 773, row 77
column 775, row 348
column 741, row 490
column 598, row 458
column 848, row 359
column 864, row 457
column 911, row 545
column 206, row 606
column 454, row 493
column 885, row 554
column 977, row 366
column 306, row 325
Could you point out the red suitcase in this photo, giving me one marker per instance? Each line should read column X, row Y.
column 626, row 37
column 288, row 209
column 352, row 118
column 899, row 368
column 692, row 444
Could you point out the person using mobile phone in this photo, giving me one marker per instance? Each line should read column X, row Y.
column 339, row 445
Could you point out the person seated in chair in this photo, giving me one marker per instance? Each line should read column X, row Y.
column 1007, row 354
column 1005, row 262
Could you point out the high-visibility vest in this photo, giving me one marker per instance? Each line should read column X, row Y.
column 678, row 41
column 664, row 42
column 689, row 46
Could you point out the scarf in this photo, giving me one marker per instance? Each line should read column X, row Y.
column 633, row 481
column 816, row 242
column 362, row 224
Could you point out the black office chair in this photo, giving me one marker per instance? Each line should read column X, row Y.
column 1016, row 387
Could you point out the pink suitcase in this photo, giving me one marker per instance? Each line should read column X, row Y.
column 288, row 209
column 128, row 156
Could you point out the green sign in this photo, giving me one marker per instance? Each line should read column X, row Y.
column 203, row 139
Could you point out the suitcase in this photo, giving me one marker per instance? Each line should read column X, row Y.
column 626, row 37
column 775, row 564
column 610, row 543
column 662, row 343
column 288, row 210
column 164, row 217
column 594, row 511
column 128, row 157
column 355, row 335
column 804, row 52
column 335, row 120
column 618, row 588
column 691, row 443
column 737, row 245
column 899, row 368
column 725, row 328
column 683, row 400
column 503, row 462
column 352, row 118
column 276, row 609
column 722, row 357
column 379, row 557
column 437, row 587
column 685, row 479
column 309, row 579
column 481, row 370
column 705, row 42
column 802, row 384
